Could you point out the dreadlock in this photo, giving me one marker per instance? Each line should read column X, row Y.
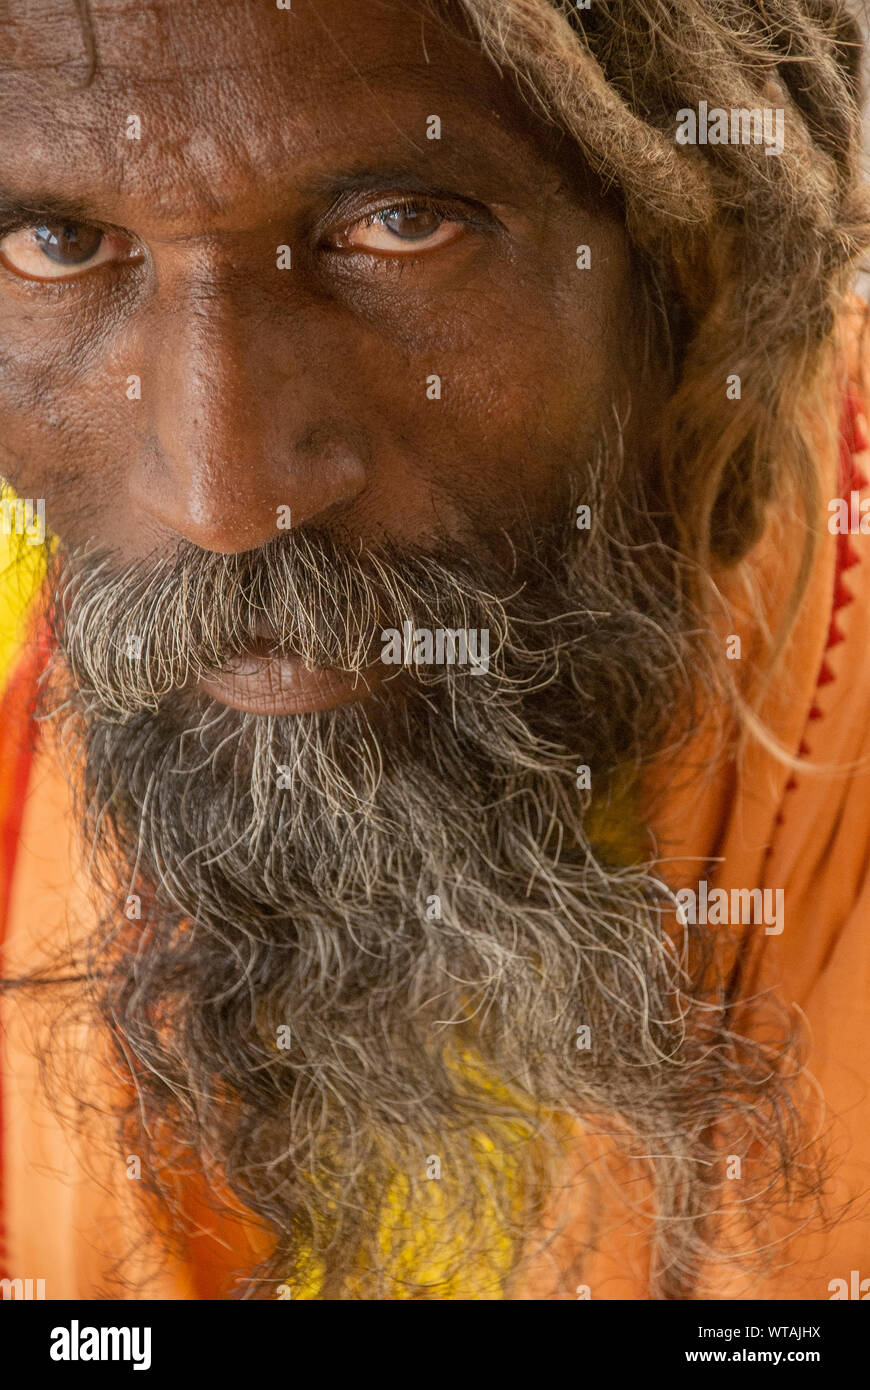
column 761, row 251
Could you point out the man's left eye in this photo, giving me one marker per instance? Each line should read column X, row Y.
column 405, row 229
column 62, row 250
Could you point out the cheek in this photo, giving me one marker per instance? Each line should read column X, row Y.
column 62, row 400
column 522, row 383
column 474, row 400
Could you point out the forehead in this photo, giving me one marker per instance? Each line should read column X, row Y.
column 151, row 41
column 239, row 91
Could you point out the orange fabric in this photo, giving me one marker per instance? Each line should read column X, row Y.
column 16, row 754
column 73, row 1215
column 754, row 825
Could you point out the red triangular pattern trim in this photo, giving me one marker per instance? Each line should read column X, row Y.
column 826, row 675
column 842, row 596
column 853, row 439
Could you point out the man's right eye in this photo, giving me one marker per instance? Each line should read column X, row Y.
column 63, row 250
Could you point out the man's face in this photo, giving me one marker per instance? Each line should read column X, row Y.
column 142, row 221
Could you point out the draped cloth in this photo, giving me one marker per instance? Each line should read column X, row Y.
column 72, row 1214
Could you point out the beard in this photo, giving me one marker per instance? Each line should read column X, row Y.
column 406, row 944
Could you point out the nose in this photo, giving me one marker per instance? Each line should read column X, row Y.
column 244, row 436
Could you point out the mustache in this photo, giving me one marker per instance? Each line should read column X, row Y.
column 131, row 636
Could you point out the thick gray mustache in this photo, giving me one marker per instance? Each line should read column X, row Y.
column 131, row 637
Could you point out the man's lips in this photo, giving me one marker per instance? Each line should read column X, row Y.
column 261, row 684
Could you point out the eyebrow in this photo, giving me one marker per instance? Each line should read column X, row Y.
column 332, row 186
column 13, row 208
column 342, row 182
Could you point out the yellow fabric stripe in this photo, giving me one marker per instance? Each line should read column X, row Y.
column 22, row 567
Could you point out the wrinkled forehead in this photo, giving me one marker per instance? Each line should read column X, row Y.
column 222, row 86
column 151, row 49
column 170, row 37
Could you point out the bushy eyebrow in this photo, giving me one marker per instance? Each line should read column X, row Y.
column 34, row 207
column 330, row 187
column 342, row 183
column 352, row 179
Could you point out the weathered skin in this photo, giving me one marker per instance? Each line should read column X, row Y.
column 305, row 387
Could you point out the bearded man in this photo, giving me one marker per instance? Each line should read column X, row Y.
column 434, row 754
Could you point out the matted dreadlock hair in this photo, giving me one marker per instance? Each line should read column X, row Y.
column 760, row 251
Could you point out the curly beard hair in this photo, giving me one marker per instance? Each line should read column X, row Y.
column 371, row 937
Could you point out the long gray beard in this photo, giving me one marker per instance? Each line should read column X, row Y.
column 374, row 937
